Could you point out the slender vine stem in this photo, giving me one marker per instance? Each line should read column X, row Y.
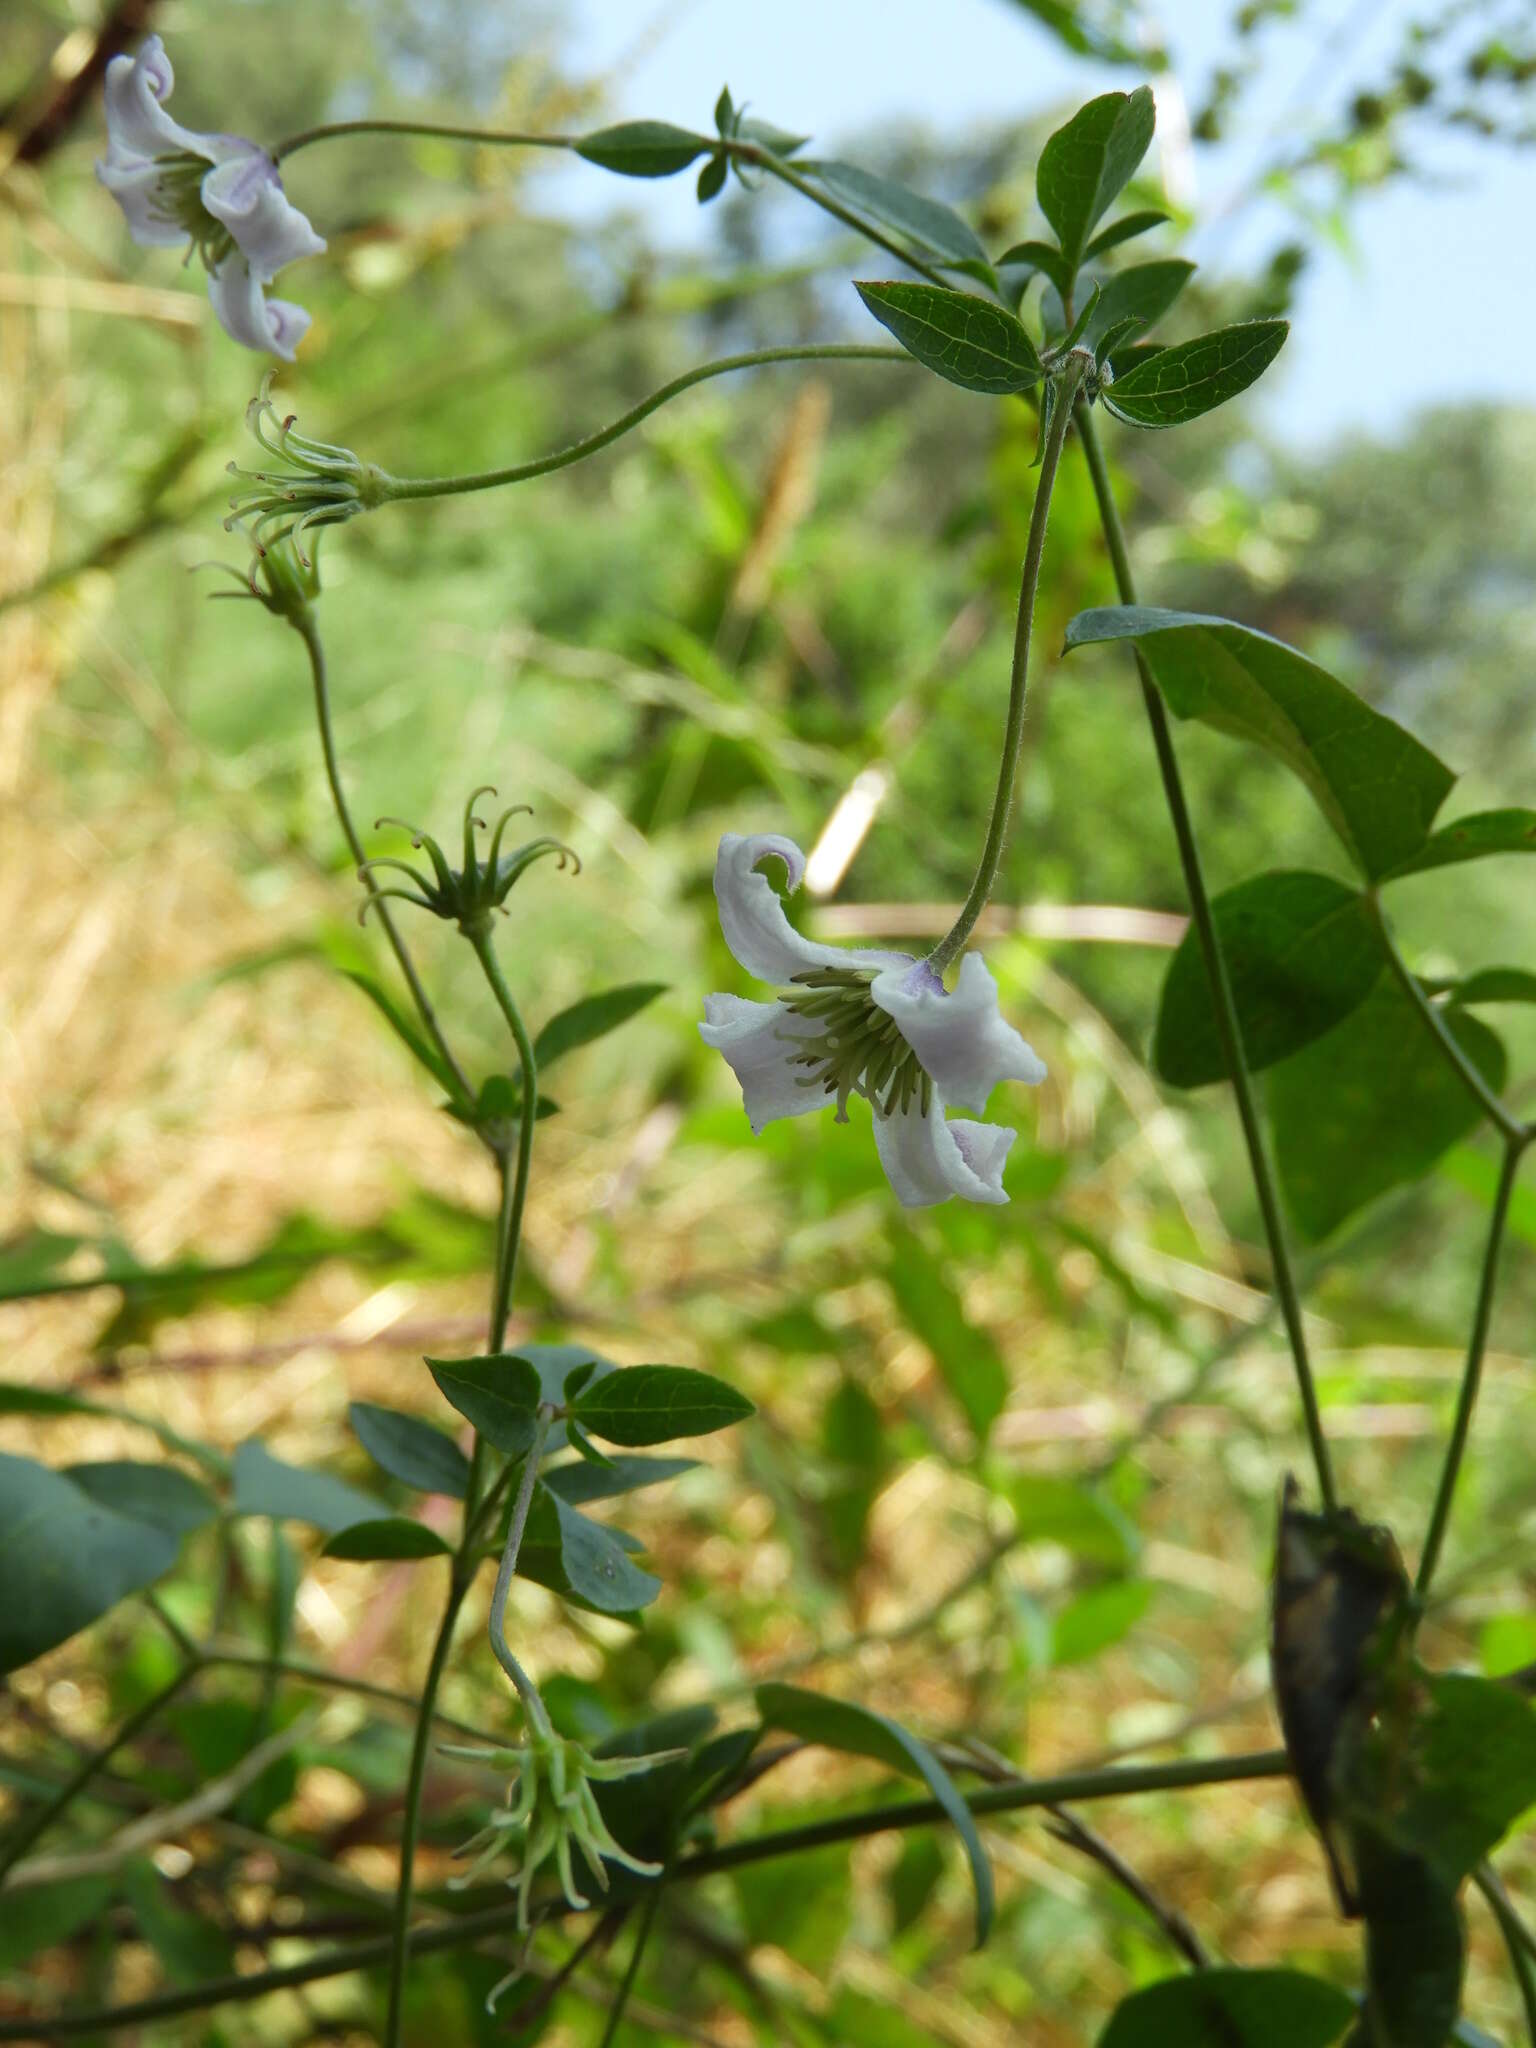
column 512, row 1233
column 1517, row 1940
column 399, row 489
column 648, row 1914
column 527, row 1691
column 1216, row 970
column 309, row 633
column 1013, row 732
column 97, row 1760
column 1472, row 1372
column 332, row 131
column 1509, row 1125
column 467, row 1928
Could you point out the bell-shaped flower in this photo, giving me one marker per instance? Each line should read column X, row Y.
column 855, row 1020
column 221, row 193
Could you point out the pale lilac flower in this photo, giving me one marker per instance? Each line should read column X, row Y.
column 220, row 192
column 854, row 1020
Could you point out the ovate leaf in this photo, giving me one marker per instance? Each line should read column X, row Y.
column 1125, row 229
column 1098, row 1619
column 160, row 1494
column 859, row 1731
column 1301, row 952
column 1050, row 1509
column 68, row 1558
column 1037, row 256
column 1376, row 785
column 963, row 338
column 592, row 1018
column 579, row 1558
column 1225, row 2008
column 1371, row 1105
column 500, row 1395
column 1085, row 166
column 390, row 1536
column 265, row 1485
column 643, row 149
column 1473, row 838
column 1140, row 295
column 653, row 1404
column 1181, row 383
column 576, row 1484
column 934, row 228
column 1470, row 1774
column 1496, row 985
column 410, row 1450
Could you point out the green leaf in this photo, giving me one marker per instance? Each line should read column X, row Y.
column 1473, row 838
column 579, row 1558
column 1302, row 952
column 424, row 1053
column 1507, row 1643
column 1042, row 257
column 500, row 1395
column 1228, row 2008
column 956, row 334
column 1097, row 1619
column 159, row 1494
column 1495, row 985
column 191, row 1949
column 968, row 1361
column 67, row 1558
column 802, row 1904
column 859, row 1731
column 643, row 149
column 593, row 1017
column 1125, row 229
column 577, row 1484
column 1141, row 294
column 1376, row 785
column 1067, row 1512
column 1194, row 377
column 1085, row 166
column 712, row 178
column 653, row 1404
column 1470, row 1777
column 1064, row 19
column 265, row 1485
column 934, row 228
column 22, row 1400
column 39, row 1916
column 410, row 1450
column 1371, row 1106
column 389, row 1536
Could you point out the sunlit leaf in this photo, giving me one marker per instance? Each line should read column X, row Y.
column 643, row 149
column 654, row 1404
column 1228, row 2008
column 1085, row 165
column 410, row 1450
column 1098, row 1619
column 1376, row 785
column 1475, row 837
column 930, row 226
column 1125, row 229
column 1142, row 294
column 963, row 338
column 968, row 1361
column 500, row 1395
column 1194, row 377
column 592, row 1018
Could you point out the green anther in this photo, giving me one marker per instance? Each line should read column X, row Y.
column 858, row 1048
column 180, row 195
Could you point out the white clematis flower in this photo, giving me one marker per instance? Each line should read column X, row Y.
column 854, row 1020
column 220, row 192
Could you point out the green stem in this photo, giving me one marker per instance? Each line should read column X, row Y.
column 309, row 633
column 1013, row 732
column 395, row 489
column 527, row 1691
column 1472, row 1373
column 399, row 1940
column 338, row 1681
column 1510, row 1126
column 514, row 1205
column 86, row 1770
column 1216, row 970
column 1517, row 1939
column 507, row 137
column 467, row 1928
column 648, row 1914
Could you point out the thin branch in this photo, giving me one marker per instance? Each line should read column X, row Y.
column 1066, row 1827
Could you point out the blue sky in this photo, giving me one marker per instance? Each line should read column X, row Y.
column 1445, row 270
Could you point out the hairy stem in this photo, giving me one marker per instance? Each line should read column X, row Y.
column 397, row 489
column 1013, row 732
column 310, row 634
column 1216, row 971
column 1472, row 1372
column 527, row 1691
column 467, row 1928
column 514, row 1200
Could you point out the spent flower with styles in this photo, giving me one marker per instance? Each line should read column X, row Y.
column 856, row 1020
column 221, row 194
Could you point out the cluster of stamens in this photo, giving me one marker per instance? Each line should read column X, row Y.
column 466, row 896
column 857, row 1048
column 320, row 485
column 179, row 200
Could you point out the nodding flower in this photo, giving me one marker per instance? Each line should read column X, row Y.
column 855, row 1020
column 466, row 896
column 221, row 194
